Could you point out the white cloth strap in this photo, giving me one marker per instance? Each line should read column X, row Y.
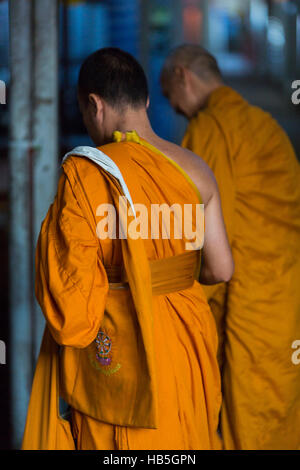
column 104, row 162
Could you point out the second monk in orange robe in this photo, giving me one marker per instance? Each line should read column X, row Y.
column 258, row 311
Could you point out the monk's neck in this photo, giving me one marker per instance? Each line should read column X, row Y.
column 137, row 121
column 204, row 94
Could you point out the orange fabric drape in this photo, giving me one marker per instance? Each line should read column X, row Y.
column 45, row 429
column 258, row 311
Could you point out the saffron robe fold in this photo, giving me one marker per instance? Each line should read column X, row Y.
column 258, row 311
column 73, row 291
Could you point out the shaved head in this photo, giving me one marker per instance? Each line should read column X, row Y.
column 189, row 76
column 195, row 58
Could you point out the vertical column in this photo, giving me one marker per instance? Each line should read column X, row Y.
column 290, row 12
column 45, row 128
column 176, row 33
column 125, row 21
column 145, row 35
column 33, row 175
column 205, row 23
column 20, row 103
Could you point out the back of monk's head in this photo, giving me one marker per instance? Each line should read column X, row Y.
column 195, row 58
column 115, row 76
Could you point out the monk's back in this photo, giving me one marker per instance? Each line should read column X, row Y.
column 250, row 152
column 251, row 134
column 153, row 181
column 267, row 173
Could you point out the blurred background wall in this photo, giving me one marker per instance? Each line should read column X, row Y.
column 42, row 44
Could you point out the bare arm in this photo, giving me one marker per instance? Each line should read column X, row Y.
column 217, row 260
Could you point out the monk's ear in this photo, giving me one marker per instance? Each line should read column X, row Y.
column 148, row 102
column 179, row 73
column 95, row 102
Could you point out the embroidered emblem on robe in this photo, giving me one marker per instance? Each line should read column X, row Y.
column 102, row 358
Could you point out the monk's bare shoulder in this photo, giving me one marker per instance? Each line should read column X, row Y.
column 194, row 166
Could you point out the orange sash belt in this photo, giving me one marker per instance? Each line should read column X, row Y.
column 168, row 275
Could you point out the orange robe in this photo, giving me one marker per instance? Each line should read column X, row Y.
column 258, row 311
column 73, row 291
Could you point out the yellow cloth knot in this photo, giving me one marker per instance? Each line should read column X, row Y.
column 117, row 136
column 130, row 136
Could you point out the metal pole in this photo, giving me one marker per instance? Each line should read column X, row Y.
column 205, row 24
column 45, row 126
column 177, row 23
column 33, row 174
column 125, row 25
column 20, row 242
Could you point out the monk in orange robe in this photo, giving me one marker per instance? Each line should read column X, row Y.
column 130, row 343
column 258, row 310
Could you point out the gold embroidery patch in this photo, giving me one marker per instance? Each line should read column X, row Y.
column 102, row 359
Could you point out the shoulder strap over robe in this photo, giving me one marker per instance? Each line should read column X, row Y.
column 137, row 268
column 105, row 162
